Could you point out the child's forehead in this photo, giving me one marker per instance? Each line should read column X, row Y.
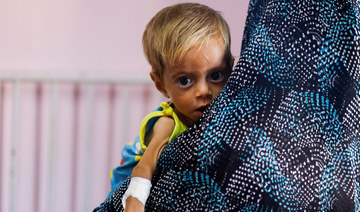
column 203, row 47
column 204, row 58
column 204, row 44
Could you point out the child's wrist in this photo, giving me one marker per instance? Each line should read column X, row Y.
column 138, row 188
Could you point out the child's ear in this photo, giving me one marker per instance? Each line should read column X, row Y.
column 232, row 62
column 159, row 83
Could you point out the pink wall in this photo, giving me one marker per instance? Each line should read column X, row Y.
column 81, row 39
column 77, row 37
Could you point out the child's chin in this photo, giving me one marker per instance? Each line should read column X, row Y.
column 198, row 113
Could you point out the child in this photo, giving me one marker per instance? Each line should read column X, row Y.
column 188, row 47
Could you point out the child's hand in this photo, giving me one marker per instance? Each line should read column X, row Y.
column 134, row 205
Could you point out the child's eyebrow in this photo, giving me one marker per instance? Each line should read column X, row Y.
column 221, row 66
column 186, row 71
column 180, row 72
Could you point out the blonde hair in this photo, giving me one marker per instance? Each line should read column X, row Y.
column 174, row 30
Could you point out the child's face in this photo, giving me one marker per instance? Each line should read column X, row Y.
column 196, row 81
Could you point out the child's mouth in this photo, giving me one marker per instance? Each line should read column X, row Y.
column 201, row 110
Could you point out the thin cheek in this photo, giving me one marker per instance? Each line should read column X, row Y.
column 174, row 92
column 218, row 89
column 184, row 103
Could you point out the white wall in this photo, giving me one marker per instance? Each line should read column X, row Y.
column 83, row 39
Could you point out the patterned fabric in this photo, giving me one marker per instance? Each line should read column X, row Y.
column 284, row 134
column 132, row 152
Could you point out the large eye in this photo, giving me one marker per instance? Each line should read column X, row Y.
column 217, row 76
column 183, row 81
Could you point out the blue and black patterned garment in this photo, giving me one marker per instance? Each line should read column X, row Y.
column 284, row 134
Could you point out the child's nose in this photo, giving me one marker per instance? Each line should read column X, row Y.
column 204, row 90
